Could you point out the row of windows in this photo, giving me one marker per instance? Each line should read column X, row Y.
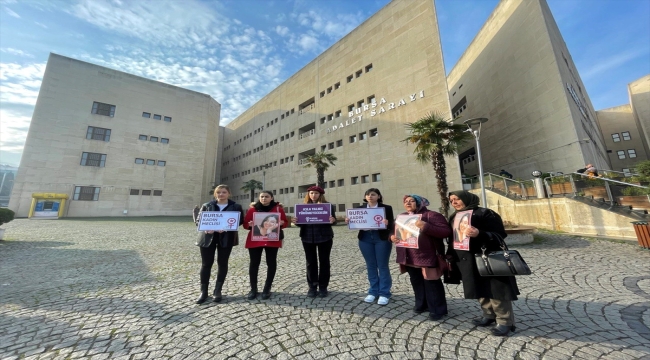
column 359, row 105
column 625, row 134
column 259, row 148
column 349, row 79
column 150, row 162
column 153, row 139
column 157, row 117
column 146, row 192
column 352, row 139
column 631, row 153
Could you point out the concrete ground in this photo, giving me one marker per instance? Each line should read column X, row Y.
column 126, row 288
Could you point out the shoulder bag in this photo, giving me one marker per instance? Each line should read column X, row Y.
column 503, row 262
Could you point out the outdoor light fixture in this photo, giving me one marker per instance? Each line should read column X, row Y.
column 537, row 173
column 474, row 126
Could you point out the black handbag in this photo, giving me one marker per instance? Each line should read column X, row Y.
column 503, row 262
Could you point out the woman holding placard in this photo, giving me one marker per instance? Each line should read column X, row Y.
column 265, row 219
column 317, row 240
column 220, row 242
column 375, row 248
column 419, row 252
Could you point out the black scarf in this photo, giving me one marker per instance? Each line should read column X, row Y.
column 470, row 200
column 261, row 208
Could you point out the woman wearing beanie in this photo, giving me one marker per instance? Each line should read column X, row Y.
column 317, row 240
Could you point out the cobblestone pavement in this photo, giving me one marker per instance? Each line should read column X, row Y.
column 126, row 289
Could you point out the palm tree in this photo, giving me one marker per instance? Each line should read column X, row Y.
column 252, row 185
column 435, row 137
column 321, row 161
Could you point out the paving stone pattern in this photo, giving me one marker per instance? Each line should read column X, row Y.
column 125, row 289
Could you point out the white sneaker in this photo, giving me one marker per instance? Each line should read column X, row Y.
column 382, row 301
column 369, row 299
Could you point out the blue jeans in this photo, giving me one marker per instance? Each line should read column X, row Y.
column 376, row 252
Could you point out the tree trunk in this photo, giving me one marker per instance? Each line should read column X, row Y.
column 320, row 178
column 440, row 168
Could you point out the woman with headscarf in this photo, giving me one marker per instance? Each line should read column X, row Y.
column 494, row 293
column 433, row 227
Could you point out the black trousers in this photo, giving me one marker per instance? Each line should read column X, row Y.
column 207, row 259
column 429, row 294
column 318, row 256
column 256, row 259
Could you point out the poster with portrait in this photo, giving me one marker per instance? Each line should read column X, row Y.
column 462, row 223
column 218, row 221
column 406, row 231
column 366, row 219
column 266, row 226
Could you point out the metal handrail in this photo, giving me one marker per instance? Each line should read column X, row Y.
column 495, row 181
column 606, row 182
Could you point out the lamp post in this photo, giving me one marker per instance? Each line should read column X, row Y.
column 474, row 126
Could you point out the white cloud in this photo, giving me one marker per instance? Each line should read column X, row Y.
column 606, row 64
column 308, row 42
column 11, row 13
column 16, row 52
column 40, row 24
column 281, row 30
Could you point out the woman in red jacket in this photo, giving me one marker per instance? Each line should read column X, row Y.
column 264, row 236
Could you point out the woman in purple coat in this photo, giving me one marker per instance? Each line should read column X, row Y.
column 429, row 294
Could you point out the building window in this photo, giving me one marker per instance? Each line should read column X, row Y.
column 330, row 117
column 332, row 183
column 355, row 205
column 146, row 192
column 153, row 139
column 358, row 74
column 93, row 159
column 371, row 99
column 616, row 137
column 626, row 135
column 95, row 133
column 376, row 177
column 365, row 179
column 322, row 120
column 135, row 192
column 162, row 162
column 329, row 89
column 373, row 132
column 292, row 133
column 103, row 109
column 631, row 153
column 168, row 118
column 88, row 193
column 621, row 154
column 164, row 140
column 281, row 191
column 341, row 207
column 143, row 137
column 353, row 139
column 339, row 143
column 323, row 148
column 156, row 117
column 360, row 104
column 337, row 114
column 350, row 107
column 322, row 93
column 350, row 78
column 157, row 193
column 354, row 180
column 139, row 161
column 627, row 172
column 330, row 146
column 281, row 161
column 145, row 115
column 363, row 136
column 369, row 68
column 291, row 189
column 340, row 182
column 337, row 86
column 151, row 162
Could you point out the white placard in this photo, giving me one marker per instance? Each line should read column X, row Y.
column 366, row 219
column 219, row 220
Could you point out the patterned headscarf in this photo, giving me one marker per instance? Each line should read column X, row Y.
column 420, row 201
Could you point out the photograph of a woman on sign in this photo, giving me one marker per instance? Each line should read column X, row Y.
column 267, row 227
column 462, row 223
column 406, row 232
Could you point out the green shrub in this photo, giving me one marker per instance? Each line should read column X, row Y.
column 6, row 215
column 635, row 191
column 643, row 169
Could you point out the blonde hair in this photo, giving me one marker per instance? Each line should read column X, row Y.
column 221, row 186
column 321, row 199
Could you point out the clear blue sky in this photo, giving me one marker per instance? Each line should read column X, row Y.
column 239, row 50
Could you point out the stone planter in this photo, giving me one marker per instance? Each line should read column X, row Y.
column 520, row 235
column 639, row 202
column 596, row 192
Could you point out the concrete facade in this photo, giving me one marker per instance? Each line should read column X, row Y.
column 622, row 137
column 173, row 176
column 639, row 92
column 352, row 101
column 519, row 74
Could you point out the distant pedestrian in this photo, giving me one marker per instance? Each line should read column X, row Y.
column 195, row 213
column 505, row 174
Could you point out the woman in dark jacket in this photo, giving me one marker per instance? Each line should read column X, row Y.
column 494, row 293
column 433, row 227
column 220, row 242
column 317, row 240
column 375, row 248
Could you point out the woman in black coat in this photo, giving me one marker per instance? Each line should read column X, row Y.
column 220, row 242
column 496, row 293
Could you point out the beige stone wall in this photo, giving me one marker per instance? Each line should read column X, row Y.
column 57, row 138
column 639, row 93
column 618, row 120
column 511, row 74
column 401, row 42
column 562, row 214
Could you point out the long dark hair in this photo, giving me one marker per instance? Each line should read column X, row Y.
column 277, row 220
column 376, row 191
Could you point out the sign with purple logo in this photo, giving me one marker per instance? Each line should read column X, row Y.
column 218, row 221
column 366, row 219
column 313, row 213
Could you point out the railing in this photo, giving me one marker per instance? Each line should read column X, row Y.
column 611, row 191
column 308, row 133
column 307, row 108
column 509, row 187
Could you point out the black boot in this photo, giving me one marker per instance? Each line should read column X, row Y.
column 217, row 292
column 266, row 293
column 313, row 291
column 253, row 294
column 204, row 294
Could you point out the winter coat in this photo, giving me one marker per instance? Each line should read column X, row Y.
column 430, row 240
column 317, row 233
column 272, row 207
column 474, row 285
column 226, row 238
column 383, row 234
